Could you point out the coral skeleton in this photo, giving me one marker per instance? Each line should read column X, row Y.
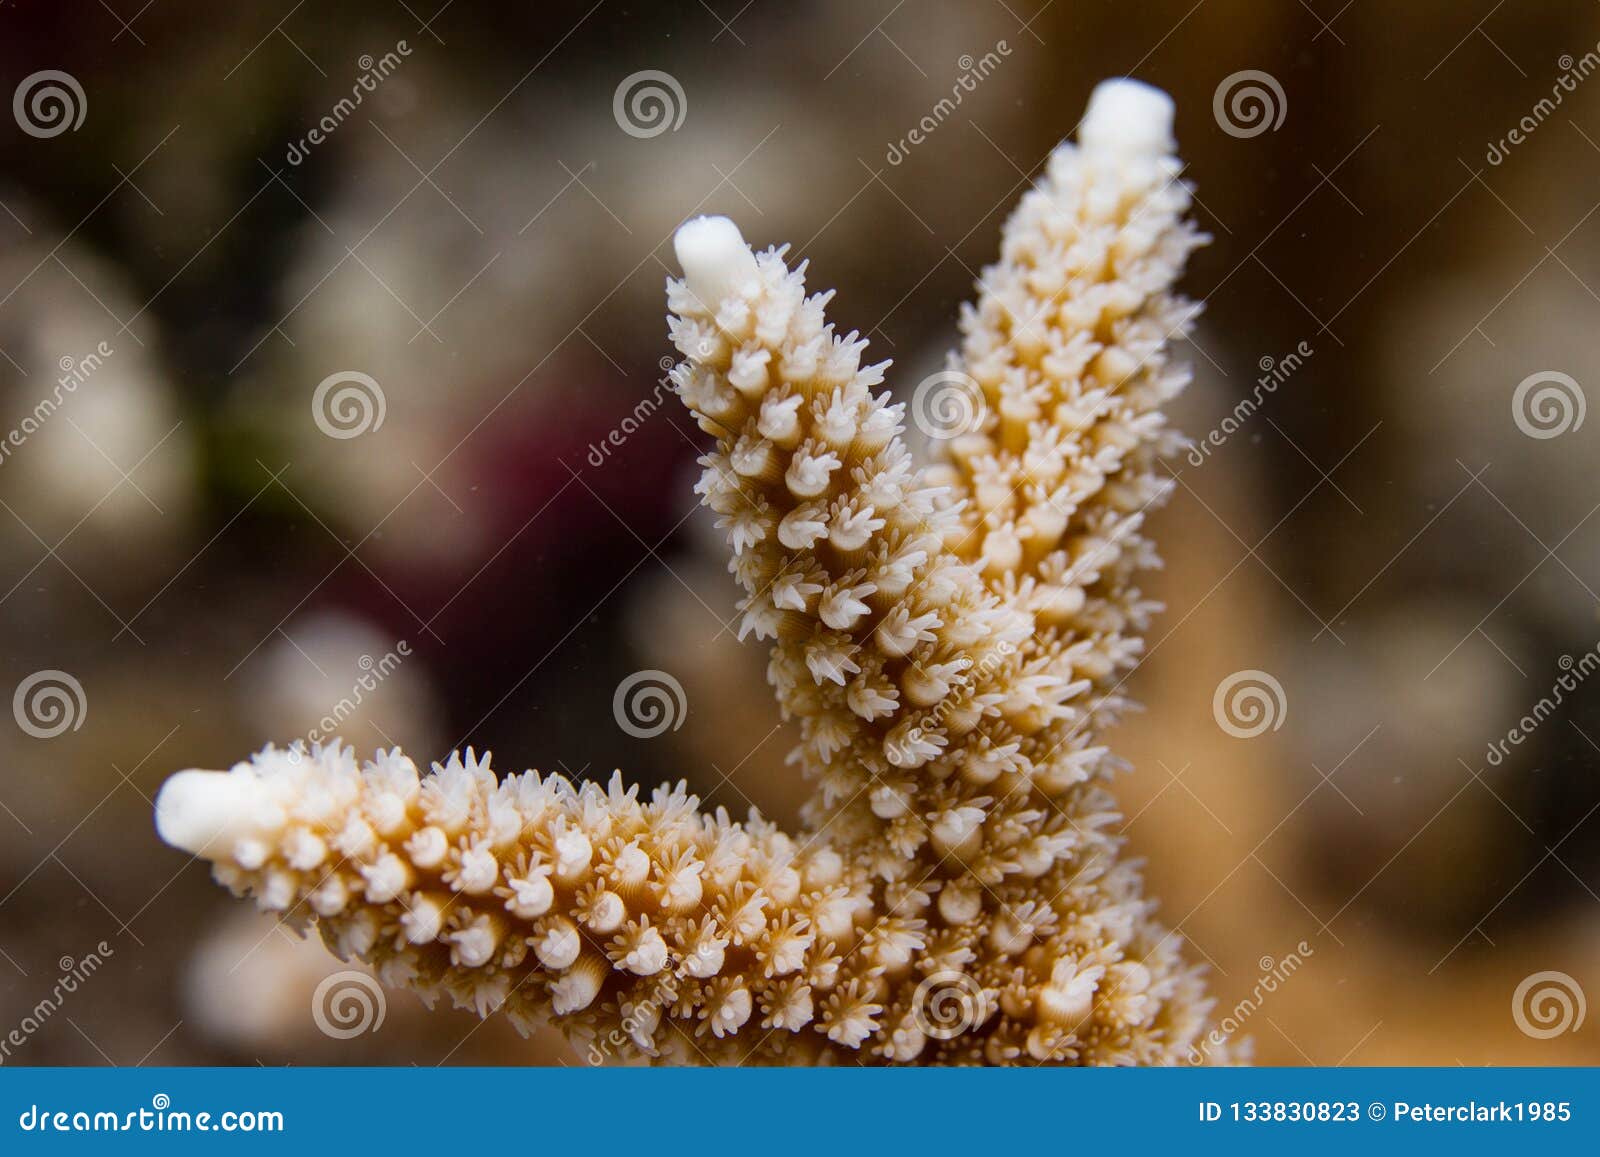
column 952, row 640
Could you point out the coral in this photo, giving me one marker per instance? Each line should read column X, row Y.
column 951, row 640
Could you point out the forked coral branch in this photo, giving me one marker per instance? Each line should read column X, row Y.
column 952, row 641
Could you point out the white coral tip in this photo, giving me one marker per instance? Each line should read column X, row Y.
column 204, row 811
column 1128, row 117
column 714, row 257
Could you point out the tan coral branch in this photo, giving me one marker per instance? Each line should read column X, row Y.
column 951, row 641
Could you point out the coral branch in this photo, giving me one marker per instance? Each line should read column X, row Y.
column 950, row 640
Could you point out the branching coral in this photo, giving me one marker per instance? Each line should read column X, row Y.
column 951, row 641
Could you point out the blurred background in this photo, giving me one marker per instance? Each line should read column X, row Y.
column 330, row 342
